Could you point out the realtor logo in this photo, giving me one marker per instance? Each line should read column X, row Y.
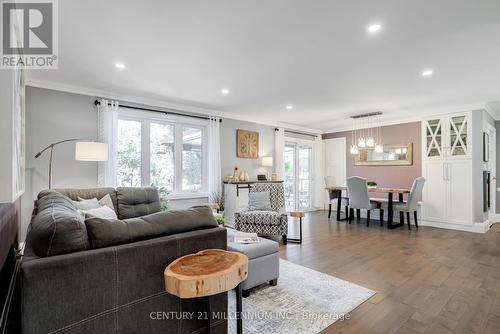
column 29, row 34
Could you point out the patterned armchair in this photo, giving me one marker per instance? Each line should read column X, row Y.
column 274, row 223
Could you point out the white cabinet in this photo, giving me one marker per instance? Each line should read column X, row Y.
column 447, row 168
column 433, row 195
column 459, row 192
column 447, row 195
column 447, row 137
column 235, row 199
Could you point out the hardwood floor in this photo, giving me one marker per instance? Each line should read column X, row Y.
column 427, row 280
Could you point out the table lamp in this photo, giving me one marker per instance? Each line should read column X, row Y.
column 267, row 162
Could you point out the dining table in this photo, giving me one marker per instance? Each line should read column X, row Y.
column 390, row 200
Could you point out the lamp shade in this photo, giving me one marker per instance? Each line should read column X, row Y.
column 267, row 161
column 91, row 151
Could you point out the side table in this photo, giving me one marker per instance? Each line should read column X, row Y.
column 206, row 273
column 300, row 215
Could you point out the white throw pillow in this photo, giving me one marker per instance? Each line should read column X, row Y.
column 86, row 204
column 103, row 212
column 107, row 201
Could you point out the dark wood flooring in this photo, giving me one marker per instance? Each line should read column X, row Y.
column 427, row 280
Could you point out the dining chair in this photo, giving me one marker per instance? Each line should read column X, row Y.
column 357, row 190
column 330, row 182
column 411, row 205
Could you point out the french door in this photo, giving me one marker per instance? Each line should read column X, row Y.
column 298, row 167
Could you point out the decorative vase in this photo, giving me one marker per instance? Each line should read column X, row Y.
column 242, row 176
column 247, row 177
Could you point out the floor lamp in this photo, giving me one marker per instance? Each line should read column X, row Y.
column 85, row 150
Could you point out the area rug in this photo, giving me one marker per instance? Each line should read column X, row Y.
column 304, row 301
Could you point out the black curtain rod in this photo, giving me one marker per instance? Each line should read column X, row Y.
column 299, row 133
column 97, row 102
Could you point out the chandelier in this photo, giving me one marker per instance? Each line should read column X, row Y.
column 366, row 133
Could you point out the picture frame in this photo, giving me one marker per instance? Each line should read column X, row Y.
column 486, row 147
column 247, row 144
column 402, row 156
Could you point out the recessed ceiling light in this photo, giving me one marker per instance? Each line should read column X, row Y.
column 224, row 91
column 120, row 66
column 427, row 73
column 289, row 107
column 373, row 28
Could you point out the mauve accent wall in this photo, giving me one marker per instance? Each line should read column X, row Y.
column 388, row 176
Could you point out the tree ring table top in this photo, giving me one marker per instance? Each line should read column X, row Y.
column 208, row 272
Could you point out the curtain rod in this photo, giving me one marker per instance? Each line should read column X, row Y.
column 299, row 133
column 97, row 102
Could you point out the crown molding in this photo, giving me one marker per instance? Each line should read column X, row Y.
column 81, row 90
column 418, row 118
column 495, row 114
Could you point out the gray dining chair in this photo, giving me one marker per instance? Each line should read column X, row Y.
column 411, row 205
column 333, row 196
column 357, row 190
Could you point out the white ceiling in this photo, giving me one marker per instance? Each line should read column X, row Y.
column 315, row 55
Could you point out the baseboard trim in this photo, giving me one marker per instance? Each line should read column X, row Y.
column 475, row 228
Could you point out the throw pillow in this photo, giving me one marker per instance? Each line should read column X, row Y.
column 107, row 201
column 86, row 204
column 259, row 201
column 103, row 212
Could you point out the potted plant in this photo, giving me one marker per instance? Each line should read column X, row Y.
column 371, row 184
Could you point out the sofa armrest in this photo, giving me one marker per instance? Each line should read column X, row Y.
column 86, row 288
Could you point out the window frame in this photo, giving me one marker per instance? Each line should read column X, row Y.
column 179, row 122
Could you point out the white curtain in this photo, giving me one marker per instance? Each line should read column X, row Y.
column 108, row 133
column 279, row 146
column 318, row 180
column 214, row 162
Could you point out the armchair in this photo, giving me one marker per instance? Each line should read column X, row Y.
column 271, row 223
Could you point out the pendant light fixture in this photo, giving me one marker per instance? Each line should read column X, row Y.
column 370, row 141
column 354, row 148
column 366, row 138
column 379, row 147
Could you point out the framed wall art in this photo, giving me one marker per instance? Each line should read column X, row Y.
column 247, row 144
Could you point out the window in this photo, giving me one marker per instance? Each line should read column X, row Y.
column 162, row 164
column 129, row 153
column 192, row 158
column 167, row 154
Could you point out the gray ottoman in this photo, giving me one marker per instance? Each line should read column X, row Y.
column 263, row 261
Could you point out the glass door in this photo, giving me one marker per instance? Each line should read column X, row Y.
column 458, row 135
column 290, row 185
column 433, row 138
column 298, row 168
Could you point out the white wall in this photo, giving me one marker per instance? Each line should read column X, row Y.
column 228, row 147
column 480, row 119
column 52, row 116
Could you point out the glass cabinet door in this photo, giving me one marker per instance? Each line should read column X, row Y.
column 458, row 135
column 434, row 136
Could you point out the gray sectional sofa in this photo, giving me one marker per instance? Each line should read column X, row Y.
column 101, row 276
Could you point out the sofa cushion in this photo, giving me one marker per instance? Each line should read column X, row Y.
column 137, row 202
column 57, row 228
column 105, row 232
column 261, row 217
column 87, row 193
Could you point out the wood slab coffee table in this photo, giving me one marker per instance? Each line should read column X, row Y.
column 207, row 273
